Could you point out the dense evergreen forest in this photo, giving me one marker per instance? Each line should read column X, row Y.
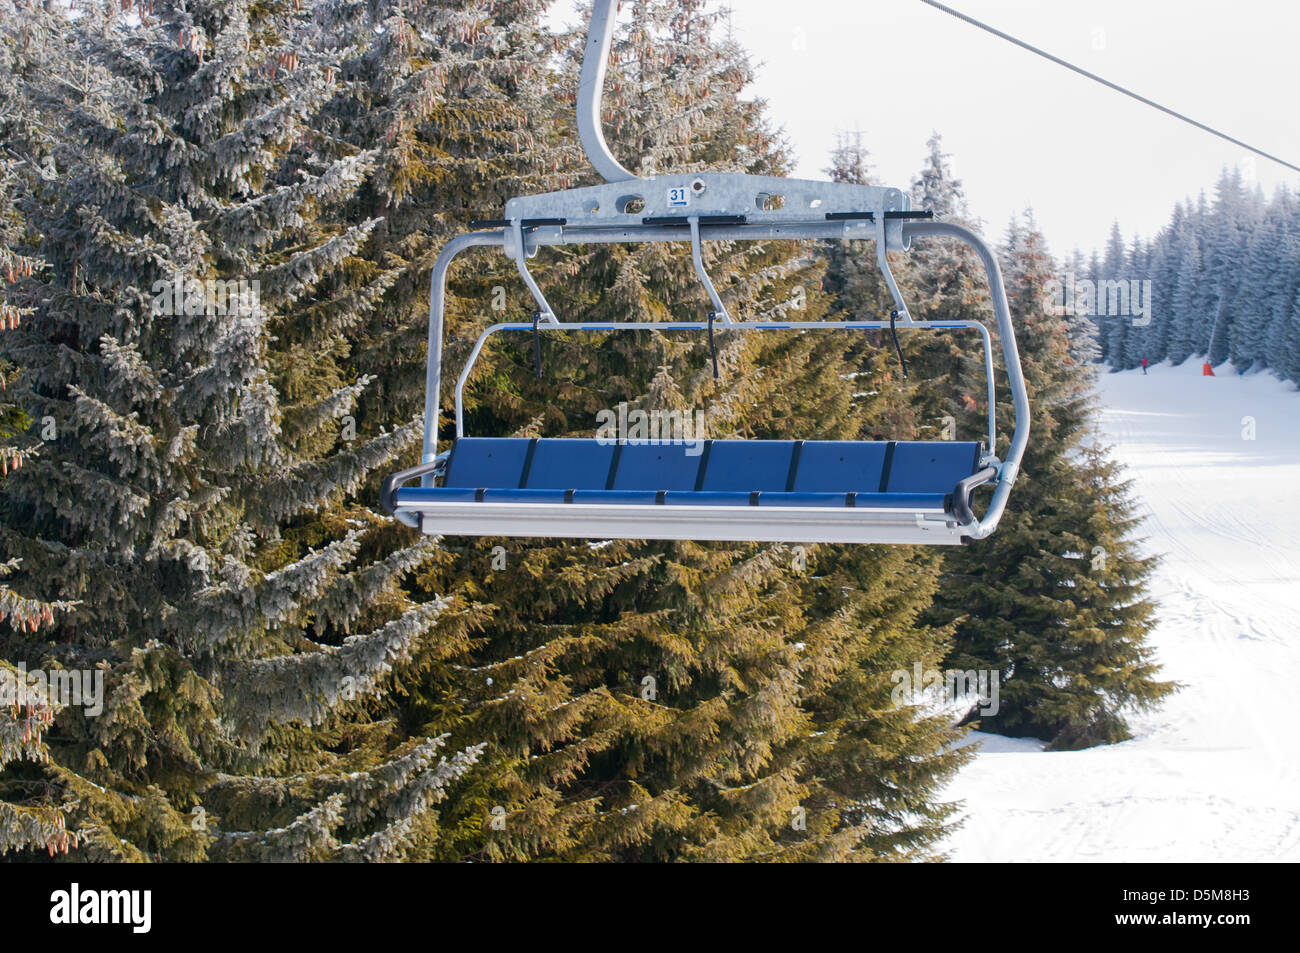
column 189, row 504
column 1223, row 279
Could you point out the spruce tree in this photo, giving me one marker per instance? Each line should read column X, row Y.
column 1055, row 601
column 1223, row 283
column 1137, row 336
column 455, row 100
column 32, row 818
column 1114, row 327
column 1253, row 305
column 187, row 497
column 942, row 280
column 1227, row 234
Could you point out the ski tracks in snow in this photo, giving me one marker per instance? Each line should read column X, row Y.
column 1214, row 773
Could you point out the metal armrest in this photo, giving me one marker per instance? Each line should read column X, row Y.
column 961, row 494
column 388, row 493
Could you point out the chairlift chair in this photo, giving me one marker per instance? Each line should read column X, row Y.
column 899, row 492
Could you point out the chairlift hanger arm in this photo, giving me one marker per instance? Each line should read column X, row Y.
column 591, row 88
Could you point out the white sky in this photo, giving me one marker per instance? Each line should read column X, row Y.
column 1023, row 131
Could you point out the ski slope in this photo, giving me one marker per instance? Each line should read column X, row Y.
column 1214, row 773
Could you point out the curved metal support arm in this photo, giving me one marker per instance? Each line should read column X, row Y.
column 521, row 262
column 697, row 256
column 961, row 494
column 437, row 308
column 591, row 83
column 882, row 258
column 1010, row 468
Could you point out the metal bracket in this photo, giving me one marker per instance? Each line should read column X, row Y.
column 882, row 257
column 714, row 197
column 520, row 250
column 697, row 256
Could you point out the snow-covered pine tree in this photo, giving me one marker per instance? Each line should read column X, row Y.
column 1279, row 343
column 187, row 493
column 1253, row 305
column 1085, row 346
column 1197, row 294
column 456, row 100
column 1187, row 320
column 1227, row 232
column 1226, row 270
column 32, row 817
column 1169, row 248
column 1114, row 327
column 1284, row 341
column 1055, row 600
column 1137, row 337
column 942, row 280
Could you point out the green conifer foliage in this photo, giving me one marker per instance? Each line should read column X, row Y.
column 1055, row 601
column 32, row 818
column 187, row 496
column 454, row 99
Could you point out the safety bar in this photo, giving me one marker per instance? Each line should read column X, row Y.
column 731, row 326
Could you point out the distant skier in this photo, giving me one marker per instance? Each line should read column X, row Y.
column 1144, row 367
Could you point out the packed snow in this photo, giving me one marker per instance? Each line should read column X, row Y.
column 1214, row 773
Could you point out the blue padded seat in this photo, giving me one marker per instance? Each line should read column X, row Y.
column 569, row 465
column 827, row 466
column 930, row 466
column 656, row 466
column 486, row 461
column 737, row 465
column 812, row 473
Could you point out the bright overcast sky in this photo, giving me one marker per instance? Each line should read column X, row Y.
column 1023, row 131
